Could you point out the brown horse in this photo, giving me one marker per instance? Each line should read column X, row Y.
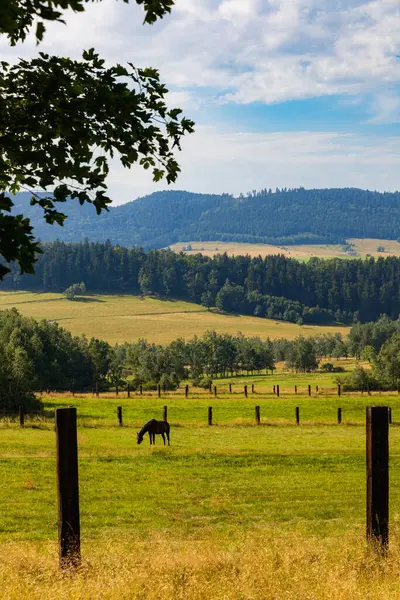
column 153, row 427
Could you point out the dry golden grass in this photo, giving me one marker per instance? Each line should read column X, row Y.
column 362, row 247
column 127, row 318
column 257, row 568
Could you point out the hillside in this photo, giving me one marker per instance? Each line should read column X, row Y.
column 120, row 319
column 283, row 217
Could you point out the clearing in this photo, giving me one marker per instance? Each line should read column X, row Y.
column 359, row 249
column 119, row 319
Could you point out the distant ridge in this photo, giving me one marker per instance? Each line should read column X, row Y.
column 281, row 217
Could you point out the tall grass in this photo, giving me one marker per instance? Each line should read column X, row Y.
column 256, row 568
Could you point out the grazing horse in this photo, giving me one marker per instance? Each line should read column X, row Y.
column 153, row 427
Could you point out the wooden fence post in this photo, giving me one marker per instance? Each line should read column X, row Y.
column 210, row 415
column 274, row 390
column 245, row 391
column 258, row 416
column 165, row 413
column 297, row 415
column 21, row 416
column 159, row 390
column 252, row 388
column 116, row 390
column 378, row 474
column 230, row 388
column 68, row 488
column 339, row 390
column 295, row 389
column 339, row 416
column 215, row 390
column 277, row 391
column 129, row 391
column 141, row 389
column 186, row 391
column 309, row 390
column 119, row 414
column 317, row 389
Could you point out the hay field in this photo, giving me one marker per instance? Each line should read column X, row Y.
column 229, row 512
column 361, row 247
column 127, row 318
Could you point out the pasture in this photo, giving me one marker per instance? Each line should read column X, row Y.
column 361, row 247
column 232, row 511
column 120, row 319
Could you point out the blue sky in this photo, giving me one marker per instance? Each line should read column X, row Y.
column 284, row 92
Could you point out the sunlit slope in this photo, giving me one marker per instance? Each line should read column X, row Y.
column 128, row 318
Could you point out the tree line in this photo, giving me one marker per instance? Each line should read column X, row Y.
column 41, row 355
column 277, row 287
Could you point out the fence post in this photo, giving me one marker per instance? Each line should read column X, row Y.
column 252, row 388
column 116, row 390
column 129, row 391
column 215, row 390
column 274, row 390
column 317, row 389
column 68, row 488
column 186, row 391
column 378, row 474
column 141, row 389
column 119, row 413
column 21, row 416
column 165, row 413
column 258, row 416
column 309, row 390
column 245, row 391
column 339, row 390
column 295, row 389
column 297, row 415
column 339, row 416
column 230, row 388
column 277, row 391
column 210, row 415
column 159, row 390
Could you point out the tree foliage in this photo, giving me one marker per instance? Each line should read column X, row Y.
column 18, row 17
column 62, row 120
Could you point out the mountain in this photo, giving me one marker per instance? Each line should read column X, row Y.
column 280, row 217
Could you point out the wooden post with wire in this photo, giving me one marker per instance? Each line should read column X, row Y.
column 378, row 475
column 68, row 488
column 258, row 416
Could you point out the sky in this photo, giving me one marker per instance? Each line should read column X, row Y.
column 284, row 93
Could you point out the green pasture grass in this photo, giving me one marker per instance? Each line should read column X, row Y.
column 119, row 319
column 214, row 483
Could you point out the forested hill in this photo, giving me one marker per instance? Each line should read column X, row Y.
column 280, row 217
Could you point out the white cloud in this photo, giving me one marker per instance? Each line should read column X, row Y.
column 214, row 162
column 243, row 51
column 248, row 50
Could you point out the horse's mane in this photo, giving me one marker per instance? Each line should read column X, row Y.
column 145, row 428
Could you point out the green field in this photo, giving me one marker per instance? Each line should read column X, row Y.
column 278, row 508
column 127, row 318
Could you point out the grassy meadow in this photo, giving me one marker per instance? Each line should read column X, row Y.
column 127, row 318
column 361, row 247
column 233, row 511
